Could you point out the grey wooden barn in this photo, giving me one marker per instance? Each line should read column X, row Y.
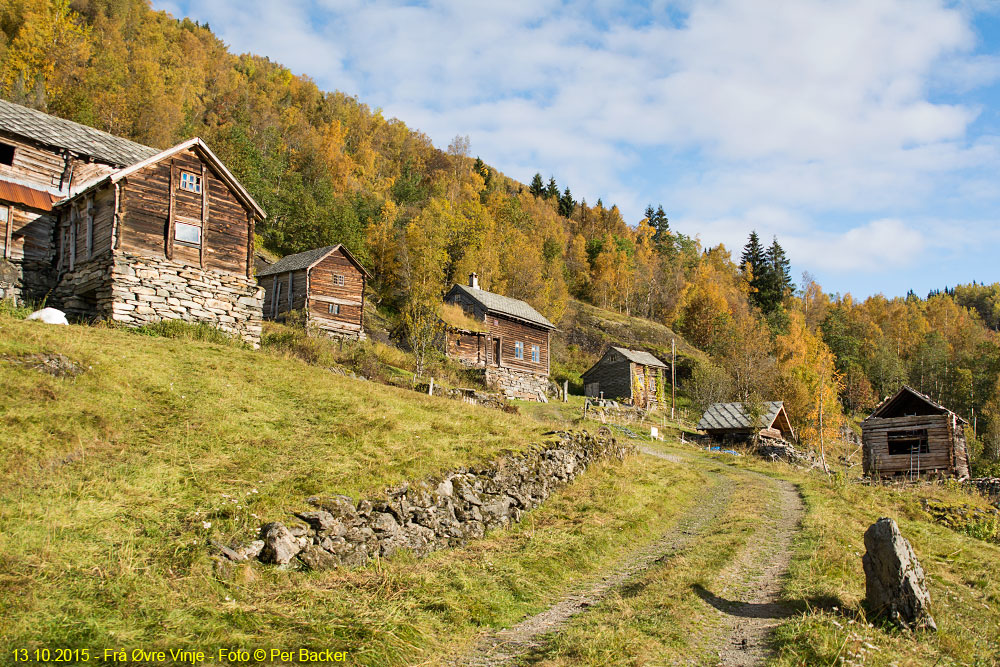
column 731, row 421
column 631, row 375
column 909, row 434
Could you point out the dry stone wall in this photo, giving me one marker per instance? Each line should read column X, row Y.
column 138, row 290
column 517, row 384
column 987, row 486
column 146, row 290
column 429, row 515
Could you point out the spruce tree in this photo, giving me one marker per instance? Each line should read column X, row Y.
column 566, row 203
column 537, row 188
column 660, row 223
column 752, row 257
column 775, row 282
column 552, row 190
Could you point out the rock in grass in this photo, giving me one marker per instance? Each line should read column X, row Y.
column 894, row 580
column 280, row 546
column 316, row 558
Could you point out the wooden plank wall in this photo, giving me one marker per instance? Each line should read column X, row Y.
column 613, row 376
column 279, row 284
column 33, row 164
column 43, row 166
column 874, row 434
column 31, row 236
column 101, row 206
column 146, row 207
column 470, row 348
column 511, row 331
column 324, row 290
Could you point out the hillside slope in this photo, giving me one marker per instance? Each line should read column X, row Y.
column 586, row 331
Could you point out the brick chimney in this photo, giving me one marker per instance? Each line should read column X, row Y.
column 474, row 280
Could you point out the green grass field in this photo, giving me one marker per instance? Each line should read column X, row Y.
column 114, row 481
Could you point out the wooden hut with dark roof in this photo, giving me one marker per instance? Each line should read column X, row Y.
column 732, row 422
column 512, row 346
column 104, row 227
column 326, row 284
column 634, row 376
column 909, row 435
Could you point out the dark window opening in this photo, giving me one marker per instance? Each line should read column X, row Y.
column 6, row 154
column 904, row 443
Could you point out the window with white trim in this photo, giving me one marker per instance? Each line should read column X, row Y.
column 187, row 233
column 518, row 350
column 338, row 279
column 190, row 182
column 333, row 308
column 536, row 354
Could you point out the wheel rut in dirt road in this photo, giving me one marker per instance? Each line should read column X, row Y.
column 505, row 646
column 756, row 578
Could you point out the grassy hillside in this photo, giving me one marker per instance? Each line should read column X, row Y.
column 114, row 480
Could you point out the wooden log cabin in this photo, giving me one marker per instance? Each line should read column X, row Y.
column 634, row 376
column 326, row 284
column 909, row 435
column 732, row 422
column 103, row 227
column 512, row 345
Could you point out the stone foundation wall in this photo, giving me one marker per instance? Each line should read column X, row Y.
column 147, row 290
column 139, row 290
column 85, row 292
column 429, row 515
column 517, row 384
column 25, row 280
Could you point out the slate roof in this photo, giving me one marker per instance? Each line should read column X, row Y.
column 504, row 305
column 298, row 261
column 639, row 357
column 733, row 416
column 62, row 133
column 303, row 260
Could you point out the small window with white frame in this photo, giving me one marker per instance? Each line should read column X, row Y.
column 185, row 232
column 338, row 280
column 333, row 308
column 536, row 354
column 518, row 350
column 190, row 182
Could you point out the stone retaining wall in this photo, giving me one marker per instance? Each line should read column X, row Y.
column 147, row 290
column 429, row 515
column 517, row 384
column 139, row 290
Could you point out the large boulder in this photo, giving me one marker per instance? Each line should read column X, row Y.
column 894, row 580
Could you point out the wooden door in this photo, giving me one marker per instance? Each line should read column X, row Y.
column 496, row 351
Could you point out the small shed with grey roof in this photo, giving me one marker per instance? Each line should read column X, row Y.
column 634, row 376
column 326, row 285
column 512, row 345
column 733, row 421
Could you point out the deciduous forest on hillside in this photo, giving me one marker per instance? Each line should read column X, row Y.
column 327, row 168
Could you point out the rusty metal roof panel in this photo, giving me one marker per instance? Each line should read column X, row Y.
column 22, row 194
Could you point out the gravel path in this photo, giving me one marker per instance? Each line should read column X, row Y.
column 505, row 646
column 749, row 598
column 755, row 607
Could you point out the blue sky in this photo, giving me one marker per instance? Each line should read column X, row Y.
column 865, row 134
